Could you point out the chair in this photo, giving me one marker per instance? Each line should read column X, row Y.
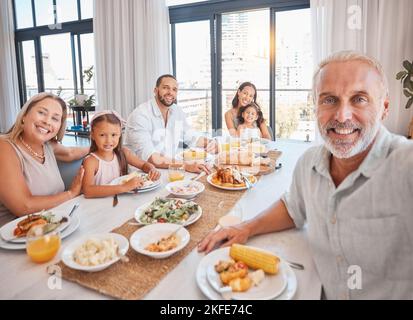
column 68, row 171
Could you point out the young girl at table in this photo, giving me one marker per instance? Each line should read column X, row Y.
column 250, row 119
column 108, row 160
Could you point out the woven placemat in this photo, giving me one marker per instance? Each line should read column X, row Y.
column 134, row 279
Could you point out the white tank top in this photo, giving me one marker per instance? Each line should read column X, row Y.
column 107, row 171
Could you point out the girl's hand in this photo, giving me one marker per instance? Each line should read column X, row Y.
column 133, row 184
column 154, row 174
column 76, row 185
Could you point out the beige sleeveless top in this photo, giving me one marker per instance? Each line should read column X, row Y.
column 107, row 171
column 42, row 179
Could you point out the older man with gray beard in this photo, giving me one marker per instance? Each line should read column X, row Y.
column 355, row 192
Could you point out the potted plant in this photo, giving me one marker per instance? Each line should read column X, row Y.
column 82, row 99
column 406, row 78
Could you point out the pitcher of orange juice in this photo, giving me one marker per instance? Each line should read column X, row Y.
column 41, row 246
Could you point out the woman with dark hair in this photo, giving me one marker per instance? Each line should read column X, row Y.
column 246, row 93
column 31, row 180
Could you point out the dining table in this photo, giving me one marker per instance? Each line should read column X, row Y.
column 20, row 278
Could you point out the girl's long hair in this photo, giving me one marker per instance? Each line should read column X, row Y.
column 235, row 101
column 112, row 119
column 18, row 127
column 257, row 108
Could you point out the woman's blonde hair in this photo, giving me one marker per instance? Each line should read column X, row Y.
column 18, row 127
column 349, row 55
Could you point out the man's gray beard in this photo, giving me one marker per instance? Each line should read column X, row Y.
column 367, row 137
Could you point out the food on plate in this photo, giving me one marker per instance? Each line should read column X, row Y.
column 94, row 252
column 165, row 244
column 32, row 220
column 255, row 259
column 194, row 154
column 169, row 210
column 234, row 270
column 136, row 174
column 186, row 189
column 230, row 177
column 237, row 276
column 257, row 276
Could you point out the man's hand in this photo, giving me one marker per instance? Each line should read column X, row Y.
column 225, row 237
column 212, row 146
column 197, row 167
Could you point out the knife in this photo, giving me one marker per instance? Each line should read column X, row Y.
column 115, row 200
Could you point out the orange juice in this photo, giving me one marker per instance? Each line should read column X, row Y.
column 176, row 176
column 225, row 146
column 44, row 248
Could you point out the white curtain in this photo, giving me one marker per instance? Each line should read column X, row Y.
column 132, row 49
column 9, row 87
column 380, row 28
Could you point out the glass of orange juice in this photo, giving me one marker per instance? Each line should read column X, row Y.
column 41, row 246
column 176, row 172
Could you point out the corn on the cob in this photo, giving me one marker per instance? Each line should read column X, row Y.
column 254, row 258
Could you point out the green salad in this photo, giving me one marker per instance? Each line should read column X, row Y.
column 169, row 210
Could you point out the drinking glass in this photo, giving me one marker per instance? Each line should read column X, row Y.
column 41, row 245
column 176, row 172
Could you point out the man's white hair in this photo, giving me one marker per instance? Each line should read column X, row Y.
column 344, row 56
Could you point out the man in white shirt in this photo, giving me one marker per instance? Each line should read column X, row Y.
column 155, row 128
column 355, row 193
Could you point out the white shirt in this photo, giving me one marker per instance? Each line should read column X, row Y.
column 147, row 134
column 360, row 233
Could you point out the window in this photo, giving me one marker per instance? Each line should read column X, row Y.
column 294, row 67
column 170, row 3
column 53, row 57
column 256, row 41
column 194, row 73
column 245, row 56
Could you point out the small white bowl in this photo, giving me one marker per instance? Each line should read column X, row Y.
column 153, row 233
column 67, row 255
column 182, row 184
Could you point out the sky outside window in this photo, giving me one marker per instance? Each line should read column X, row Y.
column 23, row 14
column 44, row 12
column 66, row 10
column 87, row 9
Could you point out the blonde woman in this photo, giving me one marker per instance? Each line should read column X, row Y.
column 31, row 180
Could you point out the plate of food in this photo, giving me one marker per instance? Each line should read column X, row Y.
column 168, row 210
column 16, row 230
column 160, row 240
column 185, row 189
column 230, row 178
column 245, row 273
column 148, row 184
column 95, row 252
column 194, row 154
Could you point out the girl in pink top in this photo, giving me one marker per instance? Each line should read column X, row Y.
column 109, row 160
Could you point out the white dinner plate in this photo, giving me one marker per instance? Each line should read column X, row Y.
column 69, row 250
column 146, row 188
column 193, row 218
column 6, row 231
column 74, row 224
column 209, row 180
column 152, row 233
column 270, row 288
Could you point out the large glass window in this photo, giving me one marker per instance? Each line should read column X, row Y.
column 54, row 59
column 58, row 76
column 245, row 56
column 294, row 67
column 24, row 17
column 194, row 72
column 44, row 12
column 258, row 42
column 29, row 66
column 66, row 10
